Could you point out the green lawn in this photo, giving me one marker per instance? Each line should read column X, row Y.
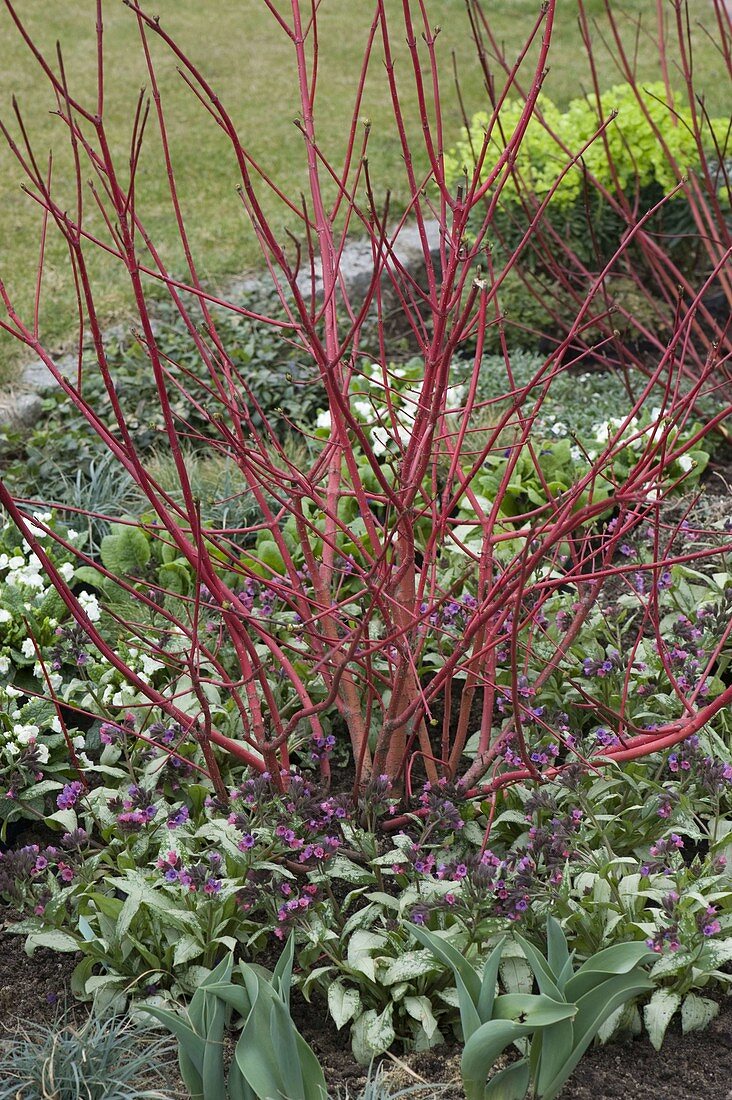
column 247, row 58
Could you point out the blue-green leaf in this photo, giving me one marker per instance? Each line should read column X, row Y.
column 621, row 958
column 483, row 1048
column 510, row 1083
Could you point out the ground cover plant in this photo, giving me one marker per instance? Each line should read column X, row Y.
column 367, row 640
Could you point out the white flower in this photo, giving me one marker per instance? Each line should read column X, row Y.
column 686, row 462
column 79, row 742
column 363, row 408
column 602, row 431
column 25, row 734
column 150, row 665
column 559, row 428
column 90, row 605
column 67, row 570
column 12, row 692
column 72, row 536
column 28, row 649
column 56, row 725
column 323, row 420
column 5, row 616
column 380, row 439
column 4, row 665
column 20, row 573
column 42, row 754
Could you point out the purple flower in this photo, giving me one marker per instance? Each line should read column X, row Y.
column 69, row 796
column 108, row 733
column 180, row 817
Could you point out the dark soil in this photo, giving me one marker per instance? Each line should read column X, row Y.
column 697, row 1066
column 31, row 988
column 37, row 990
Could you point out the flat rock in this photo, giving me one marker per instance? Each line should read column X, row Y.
column 19, row 409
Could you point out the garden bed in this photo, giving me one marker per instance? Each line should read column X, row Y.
column 687, row 1068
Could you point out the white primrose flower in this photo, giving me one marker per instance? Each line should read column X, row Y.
column 55, row 725
column 323, row 420
column 67, row 570
column 380, row 439
column 24, row 734
column 686, row 462
column 42, row 753
column 5, row 616
column 90, row 605
column 602, row 431
column 25, row 574
column 28, row 649
column 4, row 665
column 150, row 665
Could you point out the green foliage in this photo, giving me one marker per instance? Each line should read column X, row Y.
column 628, row 163
column 271, row 1059
column 61, row 454
column 561, row 1020
column 553, row 135
column 100, row 1059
